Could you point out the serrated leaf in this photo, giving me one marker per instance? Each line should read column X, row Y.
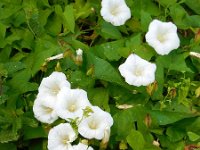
column 136, row 140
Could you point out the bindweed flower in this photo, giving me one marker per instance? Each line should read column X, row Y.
column 43, row 109
column 61, row 136
column 96, row 124
column 71, row 103
column 137, row 71
column 53, row 84
column 115, row 11
column 82, row 146
column 162, row 36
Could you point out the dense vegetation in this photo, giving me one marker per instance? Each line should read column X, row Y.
column 162, row 115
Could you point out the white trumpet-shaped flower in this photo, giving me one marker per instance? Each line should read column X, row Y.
column 137, row 71
column 82, row 146
column 61, row 136
column 115, row 11
column 53, row 84
column 162, row 36
column 43, row 109
column 96, row 124
column 71, row 103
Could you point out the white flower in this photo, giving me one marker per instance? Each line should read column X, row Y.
column 61, row 136
column 115, row 11
column 79, row 52
column 71, row 103
column 137, row 71
column 162, row 36
column 43, row 109
column 53, row 84
column 82, row 146
column 95, row 125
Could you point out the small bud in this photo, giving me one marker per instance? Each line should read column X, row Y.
column 58, row 67
column 84, row 141
column 148, row 120
column 156, row 143
column 124, row 106
column 87, row 111
column 197, row 92
column 79, row 57
column 152, row 88
column 123, row 145
column 90, row 71
column 44, row 67
column 197, row 36
column 92, row 9
column 106, row 138
column 172, row 93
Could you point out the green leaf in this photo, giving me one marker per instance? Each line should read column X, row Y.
column 145, row 20
column 13, row 67
column 79, row 79
column 136, row 140
column 68, row 18
column 6, row 146
column 104, row 70
column 7, row 136
column 34, row 133
column 167, row 2
column 178, row 13
column 99, row 97
column 158, row 94
column 54, row 24
column 109, row 50
column 174, row 61
column 44, row 48
column 194, row 5
column 23, row 77
column 175, row 134
column 9, row 10
column 2, row 31
column 123, row 123
column 168, row 117
column 110, row 31
column 193, row 136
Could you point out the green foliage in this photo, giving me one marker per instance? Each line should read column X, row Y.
column 33, row 30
